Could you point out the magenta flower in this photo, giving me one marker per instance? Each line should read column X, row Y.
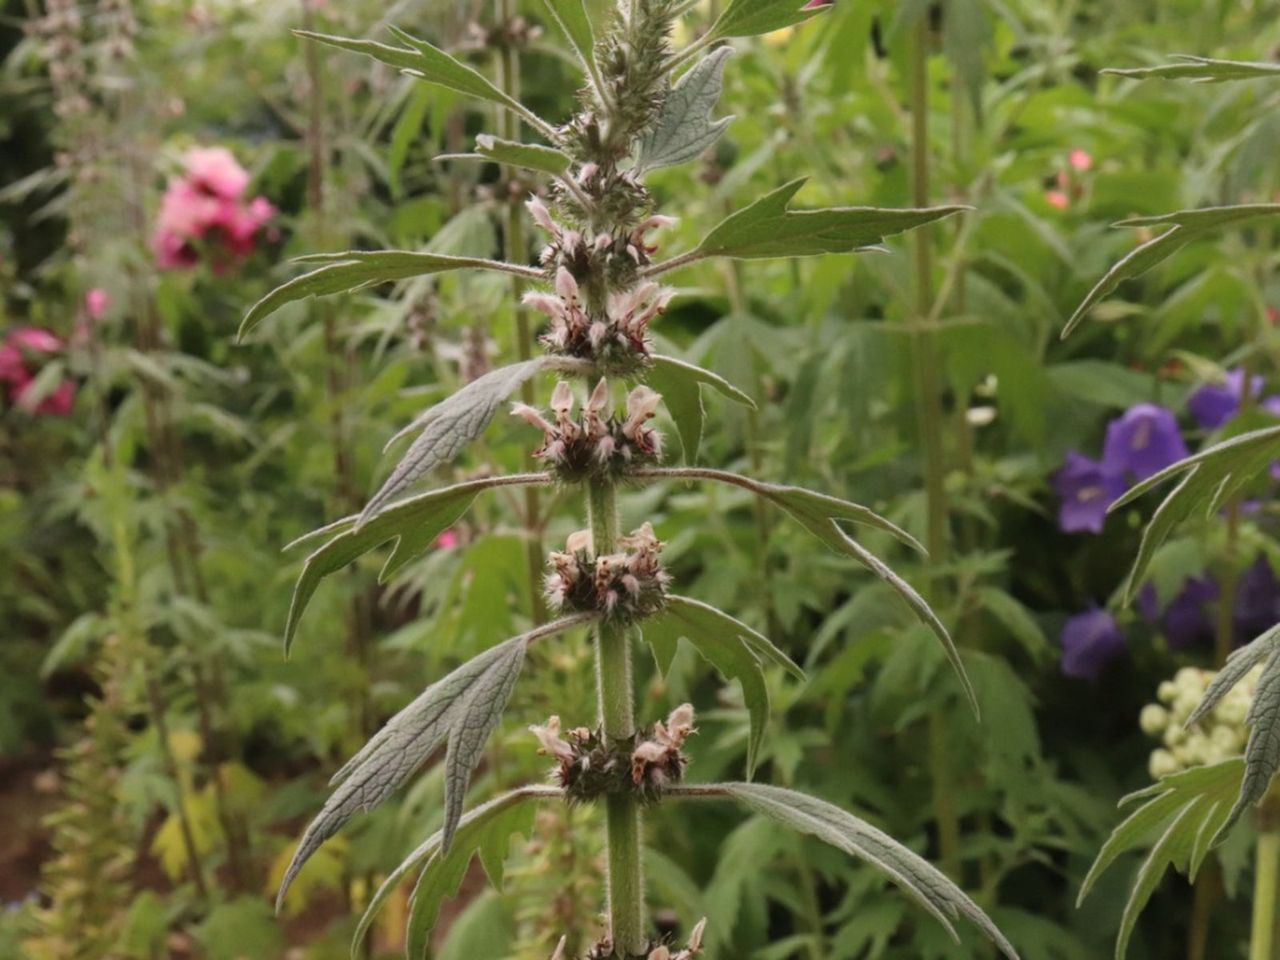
column 96, row 303
column 20, row 357
column 1090, row 641
column 1143, row 441
column 1215, row 403
column 204, row 212
column 1087, row 488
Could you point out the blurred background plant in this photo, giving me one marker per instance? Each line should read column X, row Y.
column 161, row 161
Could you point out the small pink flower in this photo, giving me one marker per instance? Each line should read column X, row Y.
column 1080, row 160
column 96, row 302
column 216, row 171
column 1057, row 199
column 17, row 373
column 448, row 539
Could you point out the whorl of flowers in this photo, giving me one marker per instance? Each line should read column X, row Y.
column 588, row 766
column 1218, row 736
column 625, row 586
column 604, row 949
column 597, row 445
column 204, row 213
column 611, row 330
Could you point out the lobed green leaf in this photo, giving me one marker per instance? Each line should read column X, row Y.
column 1238, row 664
column 680, row 384
column 767, row 228
column 684, row 128
column 919, row 879
column 1188, row 225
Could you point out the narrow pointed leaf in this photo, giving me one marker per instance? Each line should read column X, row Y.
column 1238, row 664
column 456, row 710
column 1173, row 847
column 1187, row 225
column 487, row 829
column 413, row 524
column 680, row 384
column 1212, row 476
column 529, row 156
column 768, row 229
column 750, row 18
column 733, row 648
column 684, row 128
column 572, row 18
column 1202, row 70
column 425, row 61
column 449, row 426
column 918, row 878
column 353, row 270
column 1262, row 752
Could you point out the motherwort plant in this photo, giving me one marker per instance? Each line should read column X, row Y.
column 599, row 286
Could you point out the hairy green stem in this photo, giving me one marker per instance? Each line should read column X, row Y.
column 616, row 693
column 1262, row 940
column 928, row 388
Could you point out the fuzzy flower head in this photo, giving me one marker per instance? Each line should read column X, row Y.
column 25, row 351
column 625, row 586
column 1086, row 488
column 595, row 444
column 1090, row 642
column 1142, row 442
column 204, row 213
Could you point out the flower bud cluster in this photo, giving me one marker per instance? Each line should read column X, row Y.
column 609, row 330
column 626, row 586
column 598, row 445
column 1218, row 736
column 589, row 766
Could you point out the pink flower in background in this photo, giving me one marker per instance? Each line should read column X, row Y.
column 1057, row 199
column 96, row 303
column 204, row 211
column 20, row 356
column 448, row 539
column 1080, row 160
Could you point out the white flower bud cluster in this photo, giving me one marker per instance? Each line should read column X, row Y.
column 616, row 337
column 629, row 585
column 597, row 445
column 1218, row 736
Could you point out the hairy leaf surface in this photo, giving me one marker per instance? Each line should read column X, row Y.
column 1262, row 752
column 486, row 830
column 460, row 709
column 680, row 384
column 530, row 156
column 684, row 128
column 1188, row 225
column 731, row 646
column 1182, row 813
column 750, row 18
column 572, row 18
column 414, row 524
column 922, row 881
column 1213, row 476
column 1201, row 70
column 353, row 270
column 767, row 228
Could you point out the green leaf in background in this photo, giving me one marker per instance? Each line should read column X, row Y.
column 684, row 128
column 427, row 62
column 1188, row 225
column 487, row 829
column 680, row 384
column 767, row 228
column 356, row 269
column 750, row 18
column 572, row 18
column 729, row 645
column 1182, row 814
column 414, row 524
column 459, row 710
column 529, row 156
column 918, row 878
column 1213, row 476
column 1201, row 70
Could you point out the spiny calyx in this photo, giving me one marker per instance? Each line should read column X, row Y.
column 620, row 587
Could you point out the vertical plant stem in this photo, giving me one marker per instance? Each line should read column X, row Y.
column 616, row 694
column 928, row 388
column 515, row 250
column 1262, row 940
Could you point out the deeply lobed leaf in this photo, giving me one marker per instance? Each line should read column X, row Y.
column 684, row 128
column 680, row 384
